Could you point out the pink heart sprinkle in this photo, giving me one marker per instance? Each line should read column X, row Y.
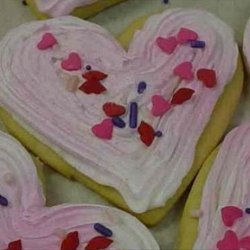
column 48, row 41
column 103, row 130
column 184, row 71
column 167, row 45
column 229, row 242
column 73, row 62
column 186, row 35
column 245, row 243
column 160, row 105
column 230, row 214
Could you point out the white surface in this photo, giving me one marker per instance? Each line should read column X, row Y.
column 234, row 12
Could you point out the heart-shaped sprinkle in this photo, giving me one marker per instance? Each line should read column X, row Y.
column 3, row 201
column 229, row 242
column 103, row 230
column 184, row 71
column 182, row 95
column 167, row 45
column 112, row 109
column 147, row 133
column 15, row 245
column 92, row 87
column 95, row 75
column 48, row 41
column 99, row 243
column 245, row 243
column 186, row 35
column 159, row 105
column 72, row 63
column 208, row 77
column 71, row 242
column 230, row 214
column 103, row 130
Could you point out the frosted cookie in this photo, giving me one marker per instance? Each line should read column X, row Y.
column 134, row 126
column 246, row 45
column 216, row 215
column 27, row 224
column 82, row 8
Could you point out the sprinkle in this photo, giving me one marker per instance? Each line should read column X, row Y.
column 3, row 201
column 147, row 133
column 103, row 130
column 95, row 75
column 71, row 242
column 247, row 210
column 99, row 243
column 198, row 44
column 88, row 67
column 103, row 230
column 159, row 105
column 158, row 134
column 230, row 241
column 184, row 71
column 141, row 87
column 182, row 95
column 92, row 87
column 133, row 116
column 196, row 213
column 15, row 245
column 72, row 63
column 186, row 35
column 230, row 214
column 112, row 109
column 118, row 122
column 165, row 1
column 48, row 40
column 245, row 243
column 208, row 77
column 167, row 45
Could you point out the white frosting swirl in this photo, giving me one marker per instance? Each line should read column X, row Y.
column 227, row 184
column 37, row 226
column 246, row 44
column 32, row 89
column 57, row 8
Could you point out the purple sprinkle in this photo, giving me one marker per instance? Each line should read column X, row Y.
column 247, row 210
column 198, row 44
column 158, row 134
column 103, row 230
column 3, row 201
column 141, row 87
column 118, row 122
column 133, row 115
column 165, row 1
column 88, row 67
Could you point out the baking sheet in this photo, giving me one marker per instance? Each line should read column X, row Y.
column 115, row 19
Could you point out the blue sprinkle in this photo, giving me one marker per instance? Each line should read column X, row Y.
column 141, row 87
column 118, row 122
column 133, row 115
column 165, row 1
column 88, row 67
column 198, row 44
column 3, row 201
column 103, row 230
column 247, row 210
column 158, row 134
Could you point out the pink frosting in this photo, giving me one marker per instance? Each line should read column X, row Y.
column 39, row 227
column 227, row 185
column 61, row 7
column 32, row 86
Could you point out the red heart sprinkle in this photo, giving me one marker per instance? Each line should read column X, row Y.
column 98, row 243
column 103, row 130
column 73, row 62
column 15, row 245
column 48, row 41
column 112, row 109
column 92, row 87
column 167, row 45
column 71, row 242
column 182, row 95
column 229, row 242
column 208, row 77
column 186, row 35
column 245, row 243
column 95, row 75
column 147, row 133
column 230, row 214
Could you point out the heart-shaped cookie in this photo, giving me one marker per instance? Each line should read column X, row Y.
column 26, row 224
column 33, row 89
column 221, row 193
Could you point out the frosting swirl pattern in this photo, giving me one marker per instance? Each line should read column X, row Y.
column 32, row 86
